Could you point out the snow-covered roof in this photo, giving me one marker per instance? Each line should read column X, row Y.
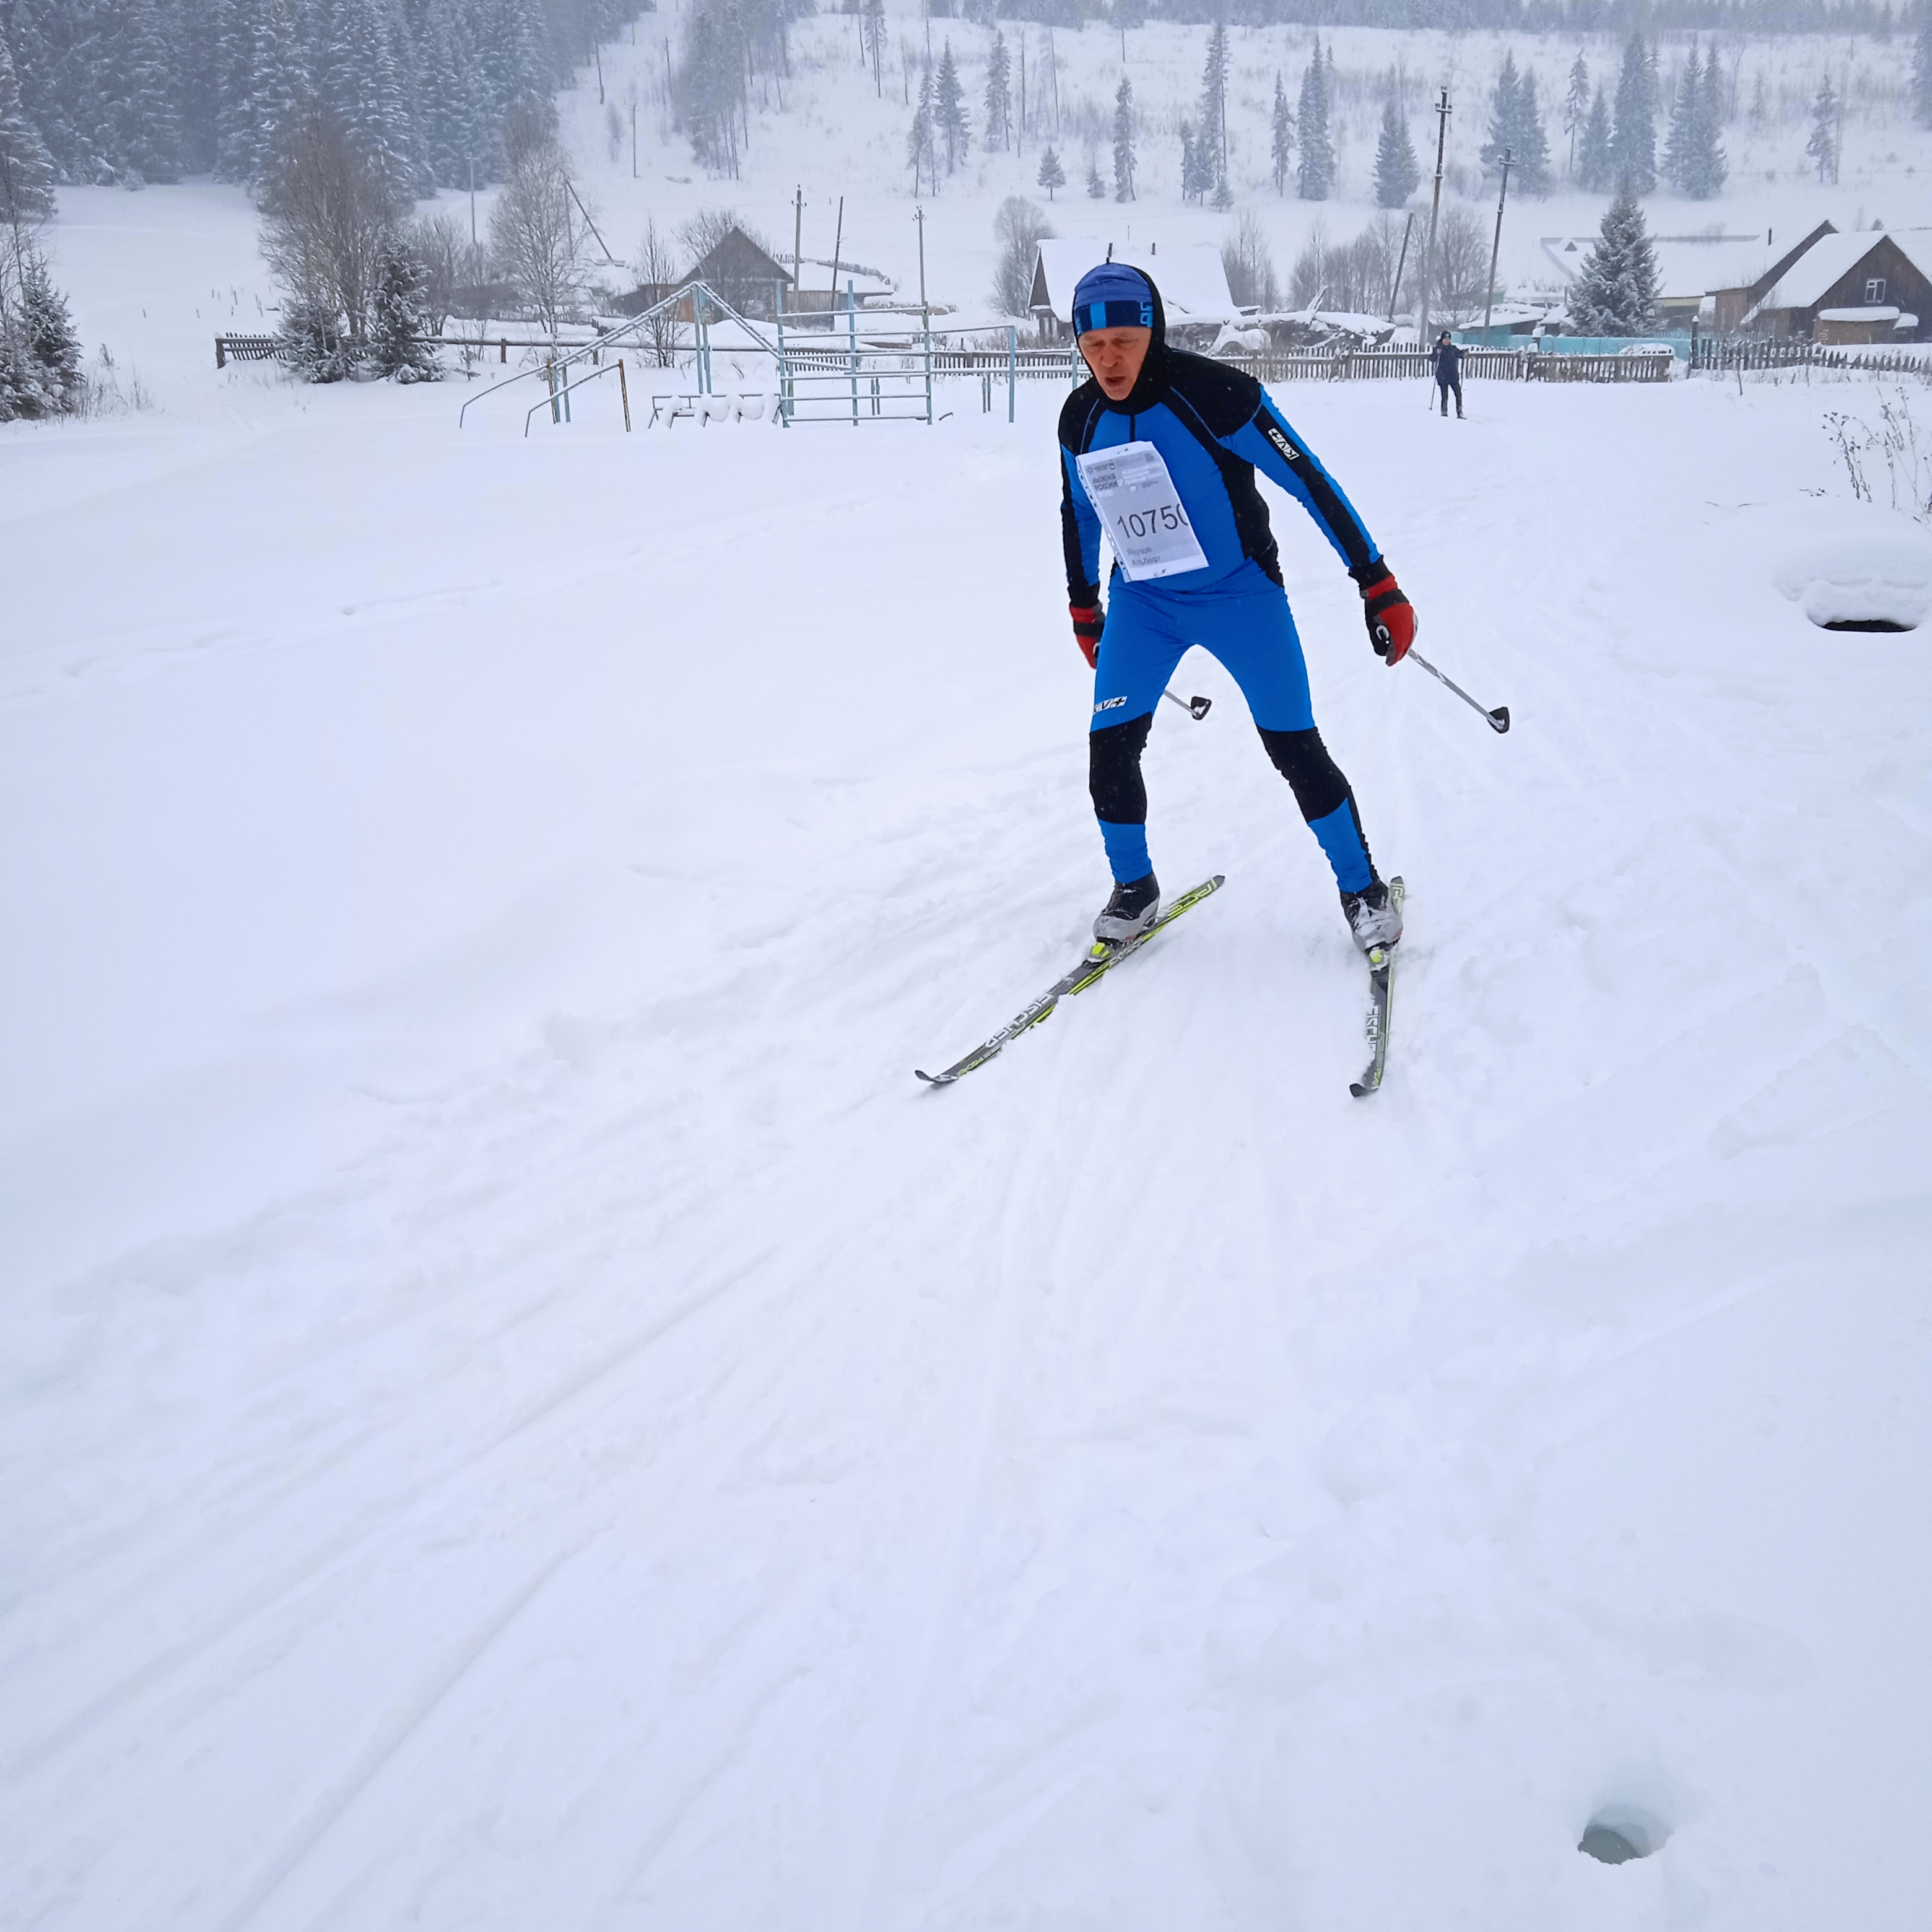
column 1831, row 256
column 1688, row 266
column 1192, row 283
column 1858, row 315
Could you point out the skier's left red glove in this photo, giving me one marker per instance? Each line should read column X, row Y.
column 1389, row 615
column 1088, row 622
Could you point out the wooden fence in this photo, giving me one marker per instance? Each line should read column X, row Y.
column 1506, row 365
column 1720, row 356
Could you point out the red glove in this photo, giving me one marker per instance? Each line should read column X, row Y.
column 1390, row 615
column 1087, row 620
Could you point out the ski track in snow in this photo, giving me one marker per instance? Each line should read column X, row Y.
column 523, row 1412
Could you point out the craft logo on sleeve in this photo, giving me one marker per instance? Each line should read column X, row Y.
column 1144, row 517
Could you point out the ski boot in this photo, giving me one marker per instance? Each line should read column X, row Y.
column 1372, row 917
column 1133, row 909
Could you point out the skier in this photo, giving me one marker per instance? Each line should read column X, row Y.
column 1162, row 446
column 1448, row 361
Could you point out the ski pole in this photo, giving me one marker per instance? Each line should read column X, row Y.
column 1499, row 718
column 1195, row 707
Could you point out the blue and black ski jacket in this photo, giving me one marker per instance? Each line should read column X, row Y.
column 1214, row 427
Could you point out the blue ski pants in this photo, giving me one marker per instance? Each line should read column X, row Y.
column 1244, row 621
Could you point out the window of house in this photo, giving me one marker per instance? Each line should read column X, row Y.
column 1874, row 289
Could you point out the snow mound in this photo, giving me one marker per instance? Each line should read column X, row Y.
column 1863, row 574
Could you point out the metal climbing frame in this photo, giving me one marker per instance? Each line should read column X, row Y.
column 845, row 365
column 855, row 365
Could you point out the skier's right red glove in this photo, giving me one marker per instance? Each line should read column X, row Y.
column 1389, row 615
column 1087, row 620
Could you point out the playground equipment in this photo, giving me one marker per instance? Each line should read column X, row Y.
column 848, row 364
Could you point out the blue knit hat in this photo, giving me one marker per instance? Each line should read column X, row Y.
column 1112, row 296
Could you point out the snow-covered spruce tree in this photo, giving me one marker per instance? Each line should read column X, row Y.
column 1051, row 174
column 921, row 141
column 1214, row 109
column 1680, row 145
column 710, row 83
column 23, row 393
column 1822, row 145
column 1530, row 173
column 1596, row 165
column 999, row 92
column 400, row 319
column 1634, row 141
column 1123, row 141
column 1315, row 175
column 312, row 342
column 1713, row 163
column 1096, row 184
column 872, row 40
column 40, row 353
column 147, row 100
column 1505, row 116
column 52, row 344
column 1281, row 146
column 1397, row 174
column 1192, row 185
column 948, row 110
column 1616, row 294
column 1921, row 65
column 26, row 168
column 1575, row 109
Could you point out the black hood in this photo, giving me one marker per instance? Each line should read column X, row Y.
column 1152, row 384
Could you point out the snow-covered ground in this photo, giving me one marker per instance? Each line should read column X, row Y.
column 518, row 1410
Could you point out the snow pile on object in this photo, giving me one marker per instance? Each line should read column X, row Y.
column 1874, row 569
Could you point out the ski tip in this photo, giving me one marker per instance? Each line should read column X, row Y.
column 1360, row 1091
column 920, row 1073
column 1498, row 719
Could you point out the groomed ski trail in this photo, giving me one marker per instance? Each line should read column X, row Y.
column 1152, row 1488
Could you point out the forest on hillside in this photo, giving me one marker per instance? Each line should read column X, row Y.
column 128, row 91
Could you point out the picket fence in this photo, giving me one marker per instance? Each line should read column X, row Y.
column 1710, row 355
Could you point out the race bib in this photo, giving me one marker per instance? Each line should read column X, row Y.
column 1142, row 511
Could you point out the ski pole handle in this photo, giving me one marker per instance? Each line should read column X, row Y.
column 1196, row 708
column 1498, row 719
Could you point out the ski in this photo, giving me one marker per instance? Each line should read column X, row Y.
column 1103, row 959
column 1381, row 968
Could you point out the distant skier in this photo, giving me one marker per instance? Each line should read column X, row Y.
column 1162, row 447
column 1448, row 361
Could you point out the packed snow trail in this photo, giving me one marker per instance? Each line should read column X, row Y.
column 520, row 1412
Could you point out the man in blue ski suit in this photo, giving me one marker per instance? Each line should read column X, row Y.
column 1211, row 427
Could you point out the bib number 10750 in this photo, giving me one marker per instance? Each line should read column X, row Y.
column 1144, row 518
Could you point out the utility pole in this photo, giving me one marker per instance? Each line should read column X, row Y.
column 1401, row 262
column 838, row 236
column 1443, row 111
column 797, row 243
column 918, row 215
column 472, row 201
column 633, row 140
column 1495, row 248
